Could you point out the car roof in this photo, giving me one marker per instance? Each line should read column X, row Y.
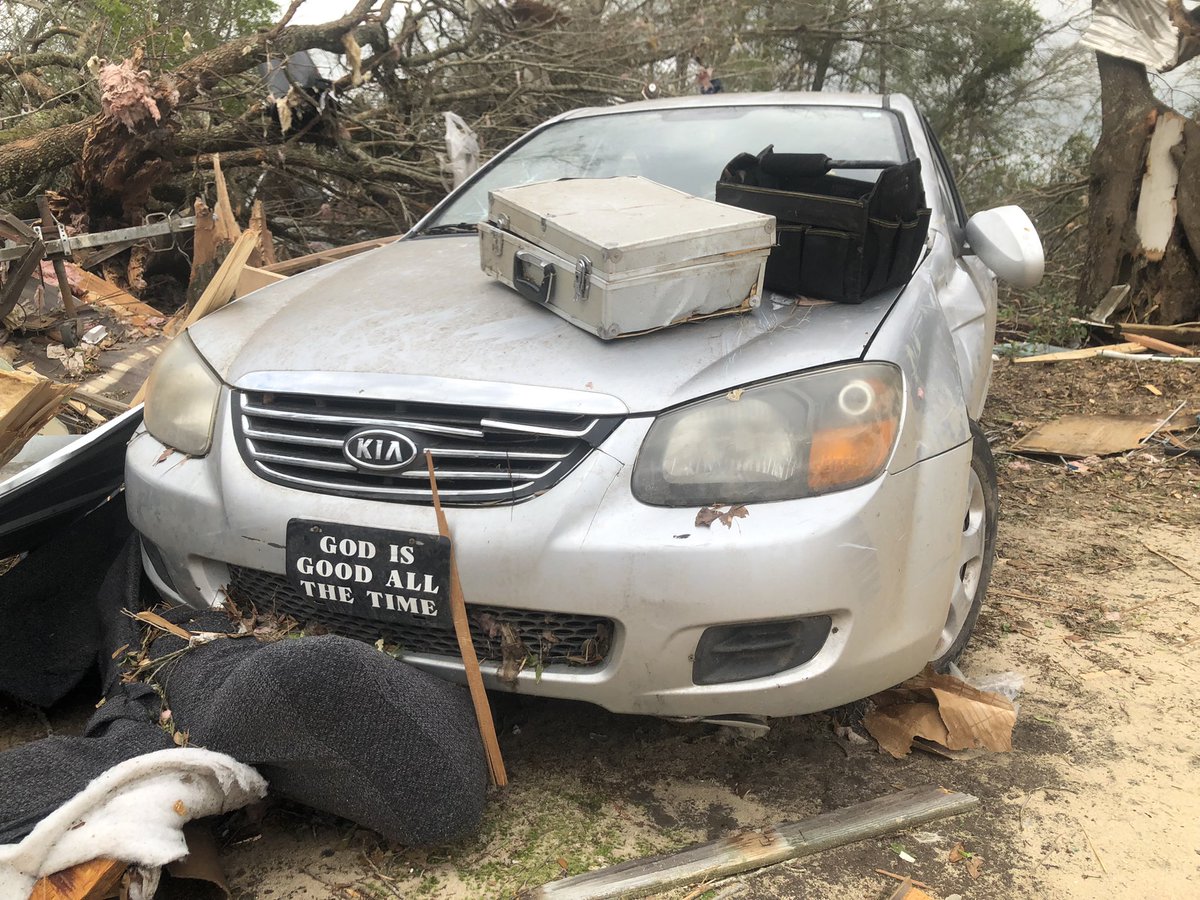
column 764, row 98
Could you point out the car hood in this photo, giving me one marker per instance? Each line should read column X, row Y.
column 422, row 307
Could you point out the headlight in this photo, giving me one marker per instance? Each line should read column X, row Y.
column 181, row 398
column 806, row 435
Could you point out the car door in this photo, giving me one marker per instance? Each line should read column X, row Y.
column 968, row 295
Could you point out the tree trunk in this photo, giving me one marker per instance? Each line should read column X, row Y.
column 1162, row 279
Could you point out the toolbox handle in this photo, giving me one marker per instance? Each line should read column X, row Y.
column 538, row 293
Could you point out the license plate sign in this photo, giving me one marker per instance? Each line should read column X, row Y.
column 371, row 573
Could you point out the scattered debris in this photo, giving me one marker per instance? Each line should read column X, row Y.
column 941, row 709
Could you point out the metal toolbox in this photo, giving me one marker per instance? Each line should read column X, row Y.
column 621, row 256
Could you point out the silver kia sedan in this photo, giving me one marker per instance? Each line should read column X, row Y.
column 763, row 514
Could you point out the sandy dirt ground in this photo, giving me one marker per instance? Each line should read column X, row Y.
column 1094, row 602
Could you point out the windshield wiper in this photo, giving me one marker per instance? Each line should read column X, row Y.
column 452, row 228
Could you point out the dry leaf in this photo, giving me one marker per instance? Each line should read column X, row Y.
column 974, row 864
column 162, row 624
column 179, row 808
column 956, row 853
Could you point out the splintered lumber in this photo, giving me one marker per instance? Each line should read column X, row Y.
column 1153, row 343
column 755, row 849
column 92, row 880
column 1082, row 353
column 220, row 290
column 462, row 630
column 312, row 260
column 27, row 403
column 103, row 293
column 253, row 278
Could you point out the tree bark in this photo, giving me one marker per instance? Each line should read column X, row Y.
column 1162, row 290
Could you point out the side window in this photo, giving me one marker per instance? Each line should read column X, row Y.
column 951, row 199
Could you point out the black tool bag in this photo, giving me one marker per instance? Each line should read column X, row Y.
column 838, row 238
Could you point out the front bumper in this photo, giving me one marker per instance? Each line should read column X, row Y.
column 879, row 560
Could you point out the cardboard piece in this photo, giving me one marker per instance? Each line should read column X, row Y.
column 942, row 709
column 1081, row 436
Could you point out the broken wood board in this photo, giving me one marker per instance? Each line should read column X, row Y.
column 321, row 257
column 1082, row 353
column 1081, row 436
column 27, row 403
column 221, row 289
column 943, row 709
column 253, row 278
column 106, row 295
column 1160, row 346
column 92, row 880
column 755, row 849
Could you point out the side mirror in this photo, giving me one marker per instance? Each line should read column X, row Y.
column 1008, row 244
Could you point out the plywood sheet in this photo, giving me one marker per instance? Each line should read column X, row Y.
column 1080, row 436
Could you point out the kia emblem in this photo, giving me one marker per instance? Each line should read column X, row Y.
column 379, row 449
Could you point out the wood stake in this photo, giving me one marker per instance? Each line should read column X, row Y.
column 462, row 630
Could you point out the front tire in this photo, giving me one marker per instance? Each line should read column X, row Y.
column 977, row 553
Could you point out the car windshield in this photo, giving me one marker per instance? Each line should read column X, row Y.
column 683, row 148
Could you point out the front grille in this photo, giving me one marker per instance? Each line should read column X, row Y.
column 547, row 638
column 481, row 455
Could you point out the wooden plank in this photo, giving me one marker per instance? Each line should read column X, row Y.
column 99, row 401
column 1080, row 436
column 91, row 880
column 253, row 278
column 17, row 276
column 312, row 260
column 1082, row 353
column 462, row 630
column 1153, row 343
column 14, row 229
column 754, row 849
column 221, row 289
column 1187, row 334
